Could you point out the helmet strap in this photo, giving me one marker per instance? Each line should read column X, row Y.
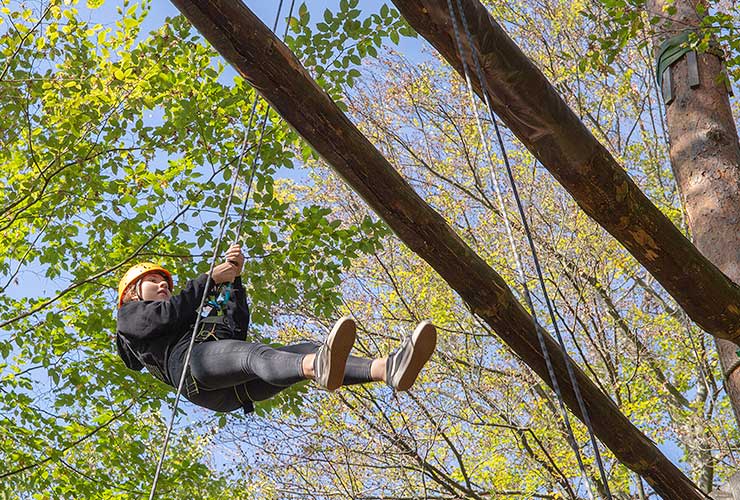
column 137, row 288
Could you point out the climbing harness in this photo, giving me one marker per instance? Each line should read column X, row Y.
column 520, row 268
column 222, row 229
column 224, row 295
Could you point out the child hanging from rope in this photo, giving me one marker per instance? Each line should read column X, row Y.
column 226, row 372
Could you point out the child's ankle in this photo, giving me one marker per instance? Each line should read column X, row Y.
column 377, row 369
column 307, row 365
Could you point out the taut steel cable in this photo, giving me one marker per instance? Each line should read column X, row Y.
column 533, row 251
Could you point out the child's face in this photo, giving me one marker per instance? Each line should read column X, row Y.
column 155, row 287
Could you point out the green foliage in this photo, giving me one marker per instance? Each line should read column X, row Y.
column 119, row 146
column 334, row 47
column 623, row 22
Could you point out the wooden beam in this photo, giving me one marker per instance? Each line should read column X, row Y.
column 534, row 111
column 272, row 69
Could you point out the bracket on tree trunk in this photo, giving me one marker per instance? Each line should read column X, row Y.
column 693, row 69
column 670, row 52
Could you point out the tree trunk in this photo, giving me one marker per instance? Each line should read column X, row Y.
column 531, row 107
column 273, row 70
column 705, row 156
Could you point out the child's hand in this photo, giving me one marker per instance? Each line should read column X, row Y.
column 235, row 257
column 229, row 270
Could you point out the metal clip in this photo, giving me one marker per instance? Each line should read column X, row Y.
column 693, row 69
column 666, row 87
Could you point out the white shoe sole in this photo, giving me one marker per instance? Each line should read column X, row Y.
column 424, row 340
column 340, row 342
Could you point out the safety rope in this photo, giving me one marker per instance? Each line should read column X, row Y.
column 255, row 156
column 222, row 230
column 550, row 306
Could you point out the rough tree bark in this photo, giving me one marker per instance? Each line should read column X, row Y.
column 705, row 155
column 275, row 72
column 534, row 111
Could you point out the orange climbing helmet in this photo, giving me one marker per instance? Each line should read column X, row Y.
column 136, row 273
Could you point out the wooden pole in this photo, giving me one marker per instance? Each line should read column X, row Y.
column 705, row 155
column 262, row 59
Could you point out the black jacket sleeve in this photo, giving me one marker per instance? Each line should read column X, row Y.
column 238, row 308
column 126, row 354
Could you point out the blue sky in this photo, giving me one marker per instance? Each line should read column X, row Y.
column 266, row 11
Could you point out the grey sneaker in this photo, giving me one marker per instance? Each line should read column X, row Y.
column 405, row 363
column 331, row 357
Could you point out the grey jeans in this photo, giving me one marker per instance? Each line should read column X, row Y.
column 230, row 374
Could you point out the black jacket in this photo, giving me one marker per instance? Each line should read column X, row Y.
column 156, row 333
